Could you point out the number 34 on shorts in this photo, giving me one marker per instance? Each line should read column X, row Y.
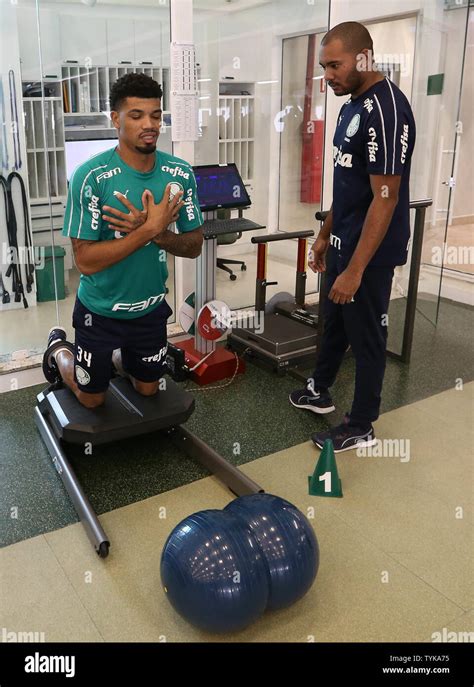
column 83, row 359
column 83, row 356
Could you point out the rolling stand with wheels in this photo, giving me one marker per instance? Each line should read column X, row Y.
column 61, row 419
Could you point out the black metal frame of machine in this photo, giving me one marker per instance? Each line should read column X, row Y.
column 60, row 419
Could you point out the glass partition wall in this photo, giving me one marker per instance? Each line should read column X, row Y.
column 446, row 105
column 20, row 257
column 263, row 106
column 58, row 63
column 437, row 37
column 441, row 74
column 252, row 95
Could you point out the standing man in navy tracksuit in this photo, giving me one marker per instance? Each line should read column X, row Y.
column 365, row 234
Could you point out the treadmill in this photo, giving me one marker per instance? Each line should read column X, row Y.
column 284, row 341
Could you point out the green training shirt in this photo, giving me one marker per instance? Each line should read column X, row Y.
column 134, row 286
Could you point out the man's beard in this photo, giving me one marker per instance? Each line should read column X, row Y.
column 355, row 82
column 148, row 150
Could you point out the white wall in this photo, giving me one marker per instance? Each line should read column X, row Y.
column 102, row 34
column 396, row 38
column 207, row 56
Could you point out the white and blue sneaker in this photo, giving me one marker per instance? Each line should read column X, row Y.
column 346, row 436
column 56, row 334
column 317, row 401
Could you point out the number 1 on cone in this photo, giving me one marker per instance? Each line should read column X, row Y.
column 326, row 478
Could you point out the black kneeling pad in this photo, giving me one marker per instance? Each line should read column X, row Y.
column 124, row 414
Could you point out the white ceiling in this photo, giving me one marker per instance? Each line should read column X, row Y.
column 208, row 5
column 225, row 6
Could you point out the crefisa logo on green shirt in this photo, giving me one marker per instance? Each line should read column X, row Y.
column 175, row 171
column 95, row 212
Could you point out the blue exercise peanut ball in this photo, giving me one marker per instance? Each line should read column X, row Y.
column 213, row 572
column 287, row 541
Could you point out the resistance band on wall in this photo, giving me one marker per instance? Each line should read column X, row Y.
column 4, row 295
column 5, row 165
column 14, row 268
column 14, row 116
column 28, row 243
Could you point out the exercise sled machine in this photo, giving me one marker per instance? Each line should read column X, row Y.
column 61, row 420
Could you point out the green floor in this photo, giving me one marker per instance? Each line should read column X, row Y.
column 253, row 414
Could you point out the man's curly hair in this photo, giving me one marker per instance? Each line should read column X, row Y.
column 133, row 86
